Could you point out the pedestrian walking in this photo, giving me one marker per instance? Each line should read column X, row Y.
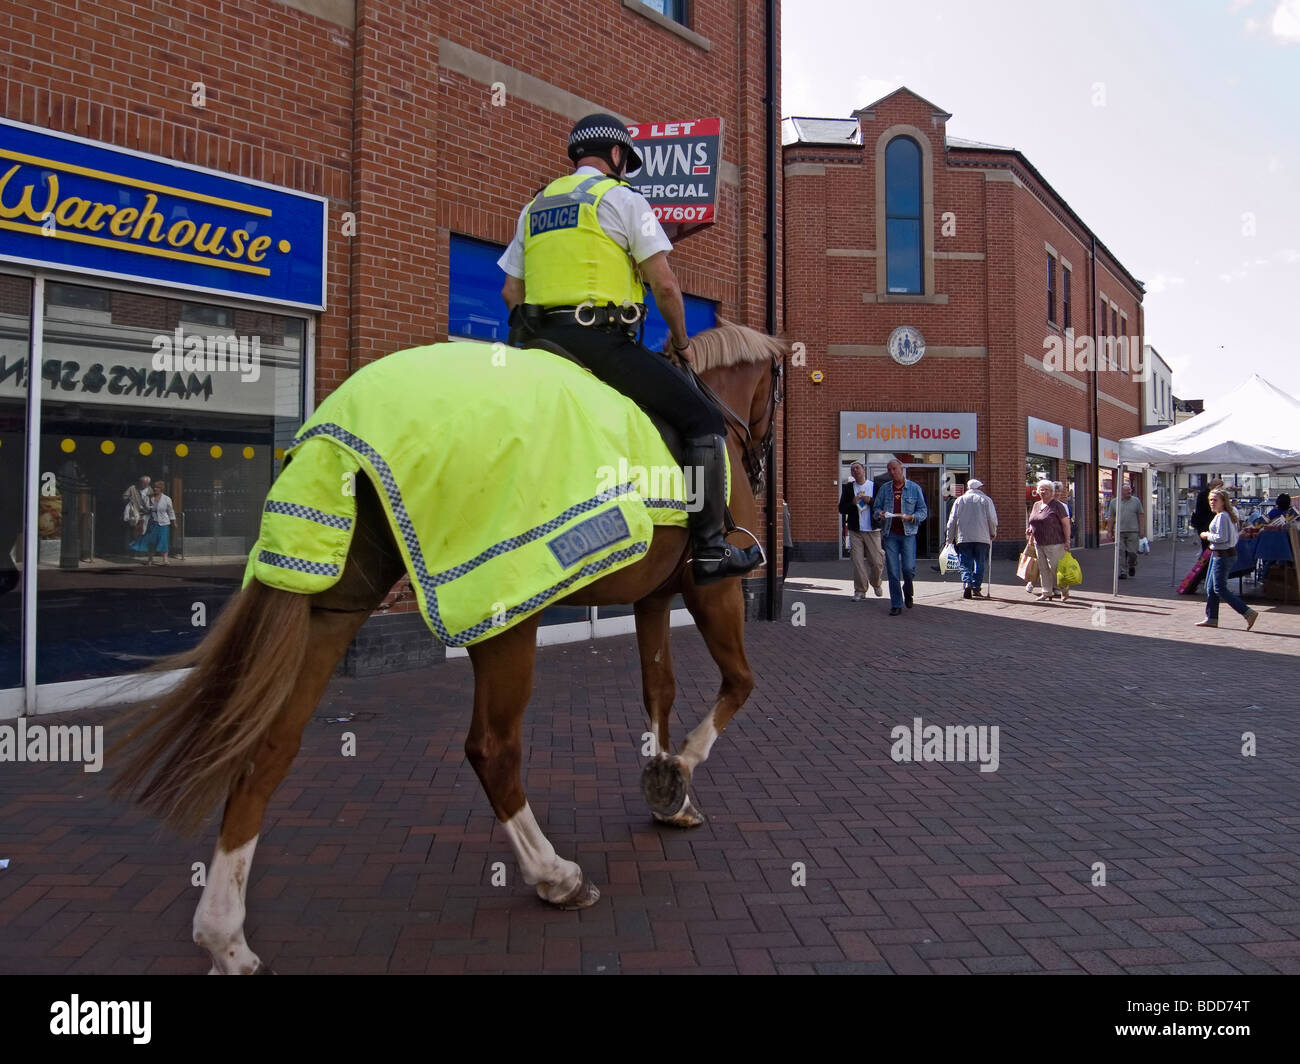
column 1131, row 517
column 1221, row 538
column 1049, row 533
column 901, row 504
column 972, row 527
column 863, row 540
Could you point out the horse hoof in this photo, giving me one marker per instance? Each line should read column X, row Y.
column 663, row 783
column 583, row 896
column 686, row 817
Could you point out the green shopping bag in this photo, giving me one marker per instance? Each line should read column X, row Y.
column 1068, row 572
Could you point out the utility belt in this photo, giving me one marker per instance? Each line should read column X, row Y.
column 628, row 318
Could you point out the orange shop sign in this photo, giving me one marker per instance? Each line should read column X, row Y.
column 883, row 430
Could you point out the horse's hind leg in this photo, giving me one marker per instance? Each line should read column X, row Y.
column 219, row 918
column 373, row 566
column 503, row 682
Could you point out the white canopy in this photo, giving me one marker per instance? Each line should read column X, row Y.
column 1254, row 429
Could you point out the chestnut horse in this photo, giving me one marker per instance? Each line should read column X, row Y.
column 232, row 726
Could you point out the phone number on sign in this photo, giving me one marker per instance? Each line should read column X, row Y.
column 684, row 214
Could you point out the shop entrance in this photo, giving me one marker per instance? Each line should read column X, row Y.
column 929, row 539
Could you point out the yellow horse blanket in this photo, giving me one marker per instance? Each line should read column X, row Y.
column 510, row 479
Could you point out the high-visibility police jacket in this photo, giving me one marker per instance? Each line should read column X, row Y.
column 568, row 258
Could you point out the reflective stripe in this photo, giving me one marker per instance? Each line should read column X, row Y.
column 307, row 513
column 563, row 199
column 298, row 565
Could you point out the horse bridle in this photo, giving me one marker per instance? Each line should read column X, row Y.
column 755, row 454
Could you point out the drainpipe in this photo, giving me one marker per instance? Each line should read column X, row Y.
column 770, row 118
column 1096, row 421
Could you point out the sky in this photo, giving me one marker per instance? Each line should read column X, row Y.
column 1171, row 127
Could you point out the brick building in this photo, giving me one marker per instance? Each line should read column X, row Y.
column 947, row 299
column 402, row 138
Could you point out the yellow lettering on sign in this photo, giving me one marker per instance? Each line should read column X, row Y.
column 72, row 211
column 25, row 200
column 122, row 220
column 257, row 249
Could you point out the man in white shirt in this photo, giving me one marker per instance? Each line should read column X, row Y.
column 574, row 277
column 864, row 541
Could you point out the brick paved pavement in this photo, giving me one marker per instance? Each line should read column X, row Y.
column 1119, row 742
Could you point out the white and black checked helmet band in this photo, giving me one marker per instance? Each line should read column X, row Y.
column 596, row 131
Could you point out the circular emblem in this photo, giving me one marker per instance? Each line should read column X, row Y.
column 906, row 345
column 817, row 376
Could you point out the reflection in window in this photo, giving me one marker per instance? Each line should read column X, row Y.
column 208, row 314
column 903, row 215
column 131, row 402
column 673, row 9
column 476, row 310
column 78, row 296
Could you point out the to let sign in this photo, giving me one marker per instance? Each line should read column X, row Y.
column 679, row 172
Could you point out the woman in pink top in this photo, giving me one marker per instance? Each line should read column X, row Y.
column 1049, row 532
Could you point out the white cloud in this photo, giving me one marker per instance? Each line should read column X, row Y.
column 1237, row 5
column 1162, row 282
column 1286, row 21
column 1290, row 256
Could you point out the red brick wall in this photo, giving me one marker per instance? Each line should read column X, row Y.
column 998, row 303
column 369, row 119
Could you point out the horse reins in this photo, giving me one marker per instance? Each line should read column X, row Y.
column 755, row 454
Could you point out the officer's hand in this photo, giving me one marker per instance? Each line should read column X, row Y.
column 686, row 354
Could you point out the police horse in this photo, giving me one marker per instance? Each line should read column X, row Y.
column 231, row 728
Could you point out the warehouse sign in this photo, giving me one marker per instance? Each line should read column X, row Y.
column 74, row 204
column 679, row 172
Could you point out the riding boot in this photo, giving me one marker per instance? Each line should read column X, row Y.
column 714, row 558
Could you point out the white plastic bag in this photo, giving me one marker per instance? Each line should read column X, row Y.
column 1144, row 545
column 949, row 561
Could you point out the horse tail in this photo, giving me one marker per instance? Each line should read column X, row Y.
column 198, row 741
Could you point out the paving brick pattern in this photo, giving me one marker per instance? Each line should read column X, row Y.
column 1120, row 742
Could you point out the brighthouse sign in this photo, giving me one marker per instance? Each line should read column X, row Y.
column 76, row 205
column 679, row 177
column 894, row 430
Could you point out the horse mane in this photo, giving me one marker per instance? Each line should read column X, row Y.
column 729, row 344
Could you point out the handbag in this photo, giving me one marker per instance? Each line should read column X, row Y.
column 1069, row 573
column 1194, row 574
column 1027, row 570
column 949, row 560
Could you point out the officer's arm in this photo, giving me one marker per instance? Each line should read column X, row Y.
column 668, row 296
column 513, row 291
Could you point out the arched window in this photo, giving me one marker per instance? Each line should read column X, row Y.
column 903, row 234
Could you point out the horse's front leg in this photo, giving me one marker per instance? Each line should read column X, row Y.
column 719, row 612
column 503, row 682
column 662, row 782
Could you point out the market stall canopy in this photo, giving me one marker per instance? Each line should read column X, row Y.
column 1254, row 429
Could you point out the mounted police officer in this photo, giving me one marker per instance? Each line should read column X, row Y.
column 572, row 278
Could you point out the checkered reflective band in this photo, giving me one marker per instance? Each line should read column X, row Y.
column 581, row 136
column 298, row 565
column 307, row 513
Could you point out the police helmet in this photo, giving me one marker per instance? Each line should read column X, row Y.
column 595, row 134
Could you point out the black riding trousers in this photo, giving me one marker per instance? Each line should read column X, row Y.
column 644, row 376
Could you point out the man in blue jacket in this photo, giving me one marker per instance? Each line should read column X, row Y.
column 905, row 500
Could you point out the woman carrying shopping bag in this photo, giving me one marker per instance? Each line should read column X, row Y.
column 1049, row 532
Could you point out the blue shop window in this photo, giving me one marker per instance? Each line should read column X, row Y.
column 701, row 314
column 476, row 308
